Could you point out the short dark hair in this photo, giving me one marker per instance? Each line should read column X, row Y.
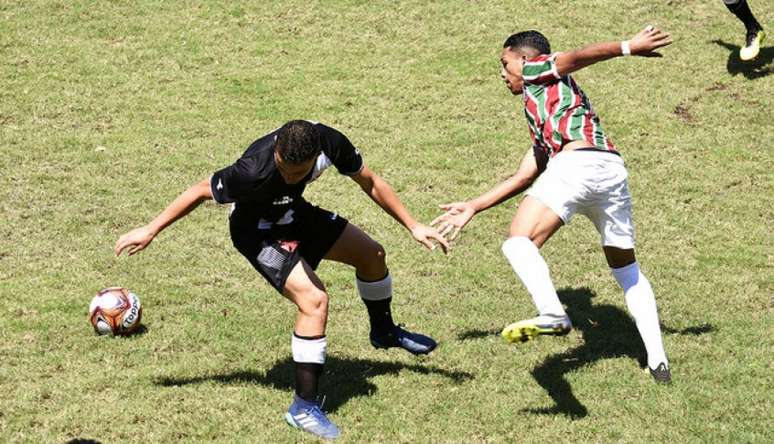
column 298, row 141
column 528, row 39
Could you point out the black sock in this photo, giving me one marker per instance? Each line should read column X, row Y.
column 307, row 374
column 307, row 377
column 742, row 11
column 380, row 316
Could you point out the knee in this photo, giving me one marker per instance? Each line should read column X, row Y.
column 314, row 303
column 619, row 257
column 373, row 264
column 379, row 255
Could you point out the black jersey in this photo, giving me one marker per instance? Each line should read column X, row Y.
column 255, row 185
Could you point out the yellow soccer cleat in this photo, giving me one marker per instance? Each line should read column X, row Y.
column 753, row 46
column 527, row 329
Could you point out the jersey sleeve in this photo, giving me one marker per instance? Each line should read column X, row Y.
column 230, row 183
column 343, row 155
column 540, row 70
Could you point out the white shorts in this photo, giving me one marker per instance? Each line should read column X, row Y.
column 591, row 183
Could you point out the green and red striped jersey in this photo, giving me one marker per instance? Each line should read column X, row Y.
column 557, row 110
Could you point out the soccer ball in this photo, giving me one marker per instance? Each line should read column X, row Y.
column 115, row 311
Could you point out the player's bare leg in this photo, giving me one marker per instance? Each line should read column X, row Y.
column 356, row 248
column 309, row 344
column 642, row 306
column 305, row 289
column 533, row 224
column 535, row 221
column 374, row 284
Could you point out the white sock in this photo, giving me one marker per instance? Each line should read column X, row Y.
column 375, row 290
column 642, row 306
column 533, row 272
column 307, row 350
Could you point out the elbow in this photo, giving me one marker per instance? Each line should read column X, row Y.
column 203, row 190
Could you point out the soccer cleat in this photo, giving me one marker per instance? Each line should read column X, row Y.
column 414, row 343
column 527, row 329
column 661, row 374
column 752, row 45
column 308, row 416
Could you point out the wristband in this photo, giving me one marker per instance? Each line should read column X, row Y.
column 625, row 49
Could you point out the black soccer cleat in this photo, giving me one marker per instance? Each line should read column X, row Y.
column 414, row 343
column 661, row 374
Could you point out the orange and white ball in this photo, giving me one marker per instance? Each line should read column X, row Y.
column 115, row 311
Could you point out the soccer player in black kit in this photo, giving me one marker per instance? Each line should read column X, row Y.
column 284, row 237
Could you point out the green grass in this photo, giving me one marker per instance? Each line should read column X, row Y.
column 108, row 110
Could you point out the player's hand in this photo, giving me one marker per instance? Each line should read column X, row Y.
column 425, row 235
column 457, row 215
column 135, row 240
column 648, row 40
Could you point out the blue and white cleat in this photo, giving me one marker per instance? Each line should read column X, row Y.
column 527, row 329
column 309, row 417
column 414, row 343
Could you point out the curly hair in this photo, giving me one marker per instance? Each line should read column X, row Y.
column 298, row 141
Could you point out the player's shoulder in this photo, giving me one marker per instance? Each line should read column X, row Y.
column 540, row 58
column 332, row 139
column 258, row 159
column 327, row 132
column 262, row 145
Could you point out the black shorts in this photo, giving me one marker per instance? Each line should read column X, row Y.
column 276, row 250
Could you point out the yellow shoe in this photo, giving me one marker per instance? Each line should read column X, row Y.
column 527, row 329
column 753, row 46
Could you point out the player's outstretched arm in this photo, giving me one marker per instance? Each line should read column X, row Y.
column 139, row 238
column 381, row 193
column 458, row 214
column 644, row 44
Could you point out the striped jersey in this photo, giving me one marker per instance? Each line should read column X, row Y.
column 557, row 110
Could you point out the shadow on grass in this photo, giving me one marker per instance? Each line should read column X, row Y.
column 478, row 334
column 344, row 378
column 139, row 331
column 754, row 69
column 696, row 331
column 608, row 332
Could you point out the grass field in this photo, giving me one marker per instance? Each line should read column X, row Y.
column 109, row 109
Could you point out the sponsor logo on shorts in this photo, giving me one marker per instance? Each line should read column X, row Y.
column 284, row 200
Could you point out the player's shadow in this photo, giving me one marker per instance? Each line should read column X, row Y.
column 608, row 332
column 754, row 69
column 344, row 378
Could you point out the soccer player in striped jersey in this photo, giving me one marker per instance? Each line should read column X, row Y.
column 573, row 167
column 755, row 34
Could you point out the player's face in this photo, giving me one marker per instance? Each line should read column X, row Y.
column 512, row 61
column 292, row 173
